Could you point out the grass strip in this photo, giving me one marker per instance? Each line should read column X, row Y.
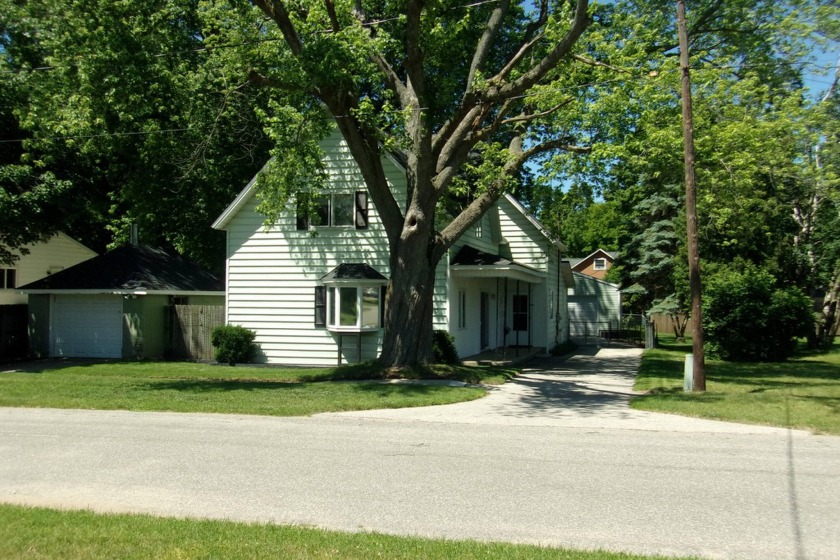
column 189, row 387
column 802, row 393
column 47, row 533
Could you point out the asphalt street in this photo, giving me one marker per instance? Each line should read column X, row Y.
column 592, row 475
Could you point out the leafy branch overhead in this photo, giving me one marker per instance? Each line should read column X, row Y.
column 400, row 71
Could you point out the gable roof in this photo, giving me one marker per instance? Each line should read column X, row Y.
column 577, row 260
column 535, row 222
column 131, row 269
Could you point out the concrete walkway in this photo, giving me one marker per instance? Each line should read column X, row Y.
column 591, row 389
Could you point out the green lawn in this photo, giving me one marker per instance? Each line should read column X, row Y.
column 45, row 533
column 189, row 387
column 801, row 393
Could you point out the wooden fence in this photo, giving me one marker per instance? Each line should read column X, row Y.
column 13, row 332
column 190, row 327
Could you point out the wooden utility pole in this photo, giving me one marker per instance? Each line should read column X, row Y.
column 699, row 367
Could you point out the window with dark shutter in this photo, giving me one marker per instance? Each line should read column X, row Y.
column 302, row 212
column 361, row 210
column 383, row 293
column 320, row 306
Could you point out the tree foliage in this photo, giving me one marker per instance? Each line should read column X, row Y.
column 158, row 112
column 117, row 116
column 746, row 318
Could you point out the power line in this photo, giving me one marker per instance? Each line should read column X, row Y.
column 102, row 135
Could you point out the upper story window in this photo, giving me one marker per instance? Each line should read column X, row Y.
column 337, row 210
column 600, row 264
column 8, row 278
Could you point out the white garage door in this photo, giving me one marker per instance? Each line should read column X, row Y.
column 87, row 326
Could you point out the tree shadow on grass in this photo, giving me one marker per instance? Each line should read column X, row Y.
column 801, row 375
column 229, row 385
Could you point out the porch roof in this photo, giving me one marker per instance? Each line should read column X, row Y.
column 473, row 263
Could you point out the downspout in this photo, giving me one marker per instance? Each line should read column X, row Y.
column 497, row 312
column 557, row 302
column 505, row 327
column 530, row 316
column 517, row 331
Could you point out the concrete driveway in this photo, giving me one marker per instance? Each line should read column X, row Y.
column 555, row 458
column 591, row 389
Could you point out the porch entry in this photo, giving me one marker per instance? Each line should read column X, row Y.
column 518, row 321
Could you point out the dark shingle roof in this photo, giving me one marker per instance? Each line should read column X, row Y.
column 473, row 257
column 353, row 271
column 133, row 268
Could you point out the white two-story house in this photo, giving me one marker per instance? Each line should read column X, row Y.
column 313, row 290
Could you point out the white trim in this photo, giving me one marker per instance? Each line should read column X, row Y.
column 345, row 282
column 536, row 223
column 123, row 292
column 513, row 271
column 241, row 200
column 589, row 278
column 595, row 252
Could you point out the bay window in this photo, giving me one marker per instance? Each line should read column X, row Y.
column 351, row 299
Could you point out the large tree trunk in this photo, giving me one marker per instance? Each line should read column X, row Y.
column 409, row 305
column 828, row 327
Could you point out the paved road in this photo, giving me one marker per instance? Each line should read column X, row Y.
column 712, row 489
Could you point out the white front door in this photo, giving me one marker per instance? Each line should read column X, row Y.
column 87, row 326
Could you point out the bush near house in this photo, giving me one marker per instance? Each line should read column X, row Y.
column 746, row 318
column 234, row 344
column 444, row 348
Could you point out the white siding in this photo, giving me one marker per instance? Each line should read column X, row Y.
column 593, row 301
column 528, row 245
column 272, row 274
column 57, row 253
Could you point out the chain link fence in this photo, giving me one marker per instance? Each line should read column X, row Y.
column 630, row 329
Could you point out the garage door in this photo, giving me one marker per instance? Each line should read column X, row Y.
column 87, row 326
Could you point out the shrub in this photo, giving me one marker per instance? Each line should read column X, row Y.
column 746, row 319
column 233, row 344
column 443, row 345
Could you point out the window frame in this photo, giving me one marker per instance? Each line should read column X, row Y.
column 325, row 207
column 552, row 307
column 5, row 275
column 462, row 309
column 601, row 266
column 336, row 299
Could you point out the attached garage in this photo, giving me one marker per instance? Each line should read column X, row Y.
column 87, row 326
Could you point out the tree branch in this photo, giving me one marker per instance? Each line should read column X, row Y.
column 330, row 5
column 276, row 10
column 539, row 70
column 414, row 52
column 532, row 116
column 485, row 44
column 481, row 203
column 531, row 38
column 256, row 78
column 598, row 63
